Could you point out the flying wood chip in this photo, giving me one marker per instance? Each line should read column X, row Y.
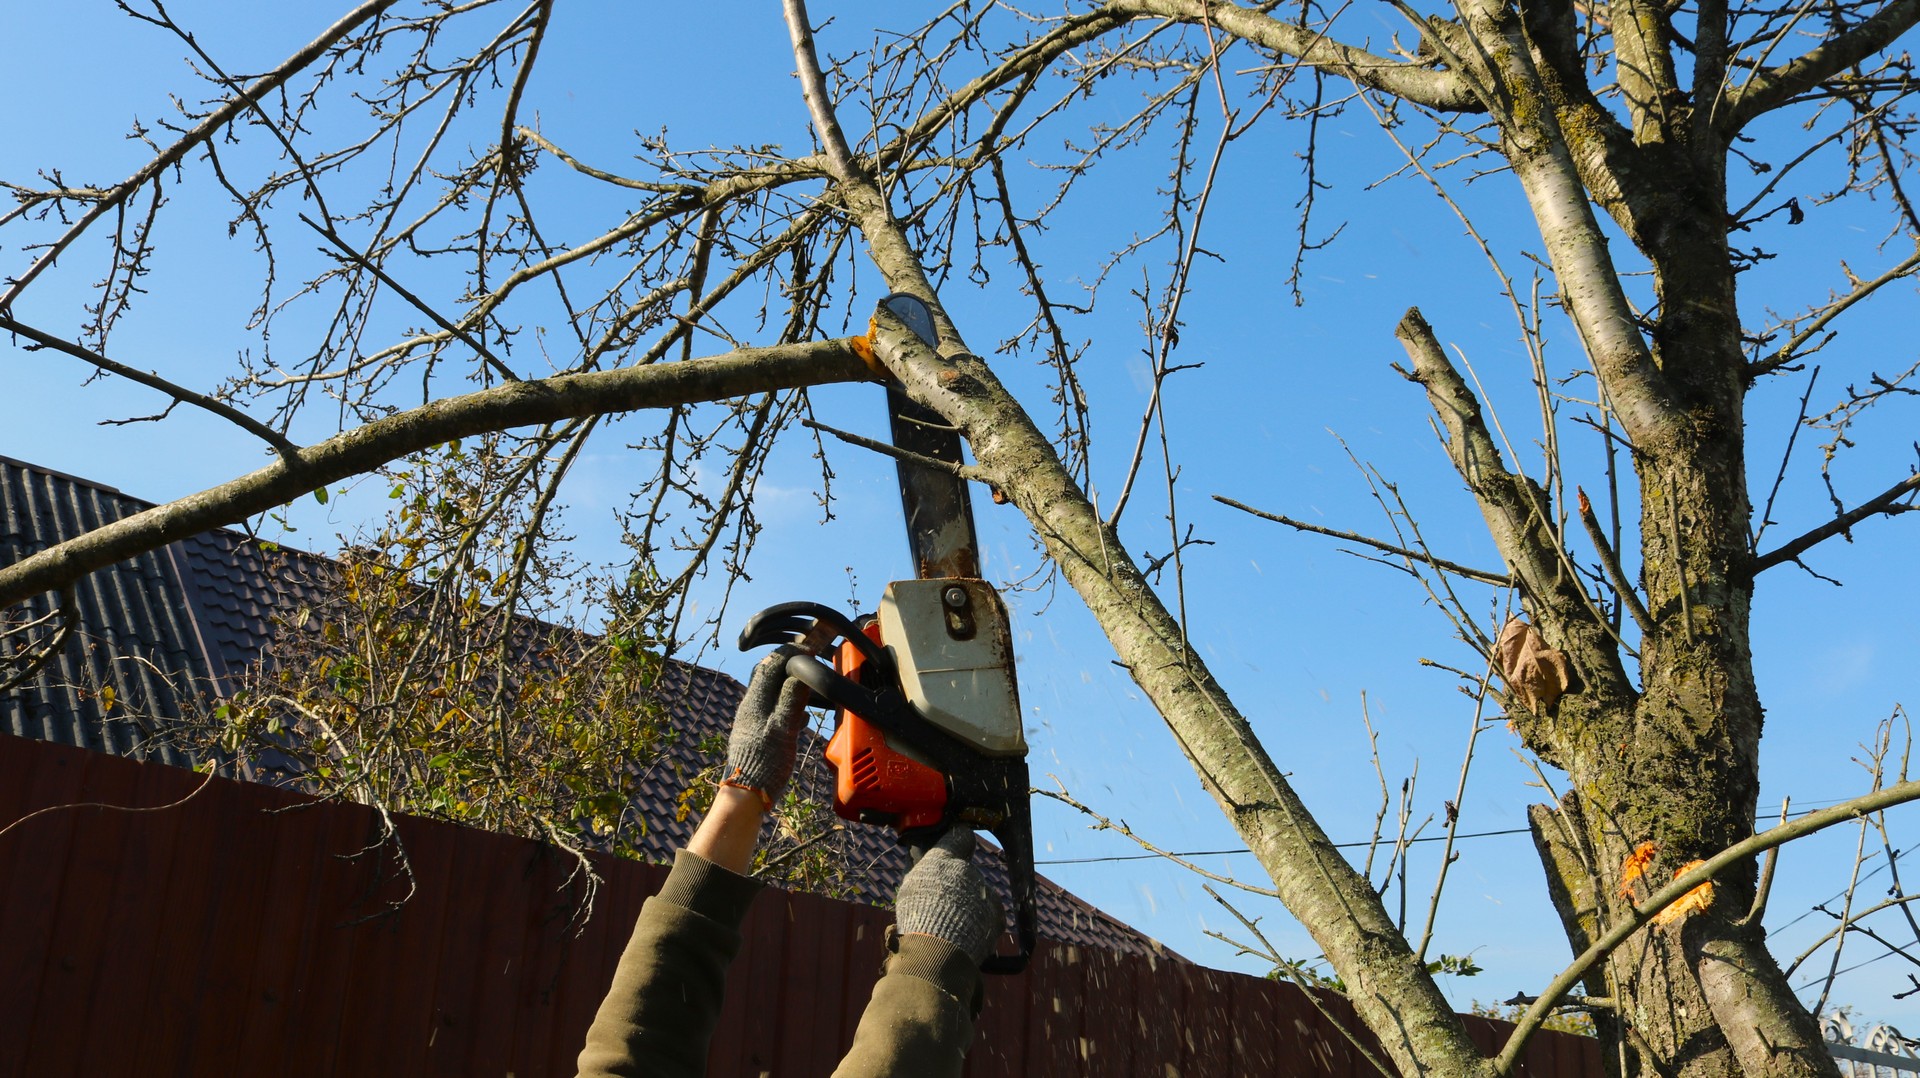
column 1536, row 675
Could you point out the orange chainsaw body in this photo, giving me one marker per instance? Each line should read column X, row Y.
column 873, row 781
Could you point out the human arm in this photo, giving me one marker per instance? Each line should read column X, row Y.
column 659, row 1014
column 919, row 1021
column 730, row 831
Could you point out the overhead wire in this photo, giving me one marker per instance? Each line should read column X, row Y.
column 1358, row 845
column 1223, row 853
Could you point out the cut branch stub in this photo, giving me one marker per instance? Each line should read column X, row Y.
column 1507, row 501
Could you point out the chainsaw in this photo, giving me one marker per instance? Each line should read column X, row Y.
column 927, row 731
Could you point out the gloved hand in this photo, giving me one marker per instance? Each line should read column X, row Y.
column 945, row 896
column 765, row 729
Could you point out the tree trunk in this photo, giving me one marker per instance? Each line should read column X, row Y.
column 1678, row 766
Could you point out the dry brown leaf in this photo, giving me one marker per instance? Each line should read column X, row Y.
column 1536, row 675
column 1692, row 902
column 1634, row 867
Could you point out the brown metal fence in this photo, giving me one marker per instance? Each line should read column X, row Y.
column 246, row 930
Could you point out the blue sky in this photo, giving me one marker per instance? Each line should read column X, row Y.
column 1295, row 626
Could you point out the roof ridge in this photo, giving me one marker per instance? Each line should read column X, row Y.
column 144, row 504
column 56, row 473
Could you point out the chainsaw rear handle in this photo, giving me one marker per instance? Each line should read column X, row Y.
column 1016, row 855
column 787, row 624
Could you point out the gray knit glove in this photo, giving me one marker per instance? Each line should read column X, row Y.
column 944, row 895
column 765, row 729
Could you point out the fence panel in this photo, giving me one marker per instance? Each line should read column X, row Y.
column 250, row 931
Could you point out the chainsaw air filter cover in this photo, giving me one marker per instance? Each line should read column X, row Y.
column 950, row 639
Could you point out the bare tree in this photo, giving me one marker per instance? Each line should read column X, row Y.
column 1646, row 142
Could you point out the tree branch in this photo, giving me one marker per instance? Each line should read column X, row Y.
column 747, row 370
column 1537, row 146
column 1790, row 351
column 1435, row 88
column 1775, row 86
column 1898, row 794
column 1885, row 503
column 1500, row 580
column 1510, row 503
column 201, row 132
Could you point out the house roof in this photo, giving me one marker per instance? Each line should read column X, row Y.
column 158, row 635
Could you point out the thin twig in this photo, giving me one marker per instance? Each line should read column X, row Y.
column 204, row 783
column 1291, row 969
column 358, row 259
column 1786, row 457
column 1622, row 587
column 1454, row 810
column 69, row 612
column 1468, row 572
column 962, row 471
column 1120, row 827
column 1386, row 795
column 287, row 450
column 1760, row 893
column 1846, row 917
column 202, row 132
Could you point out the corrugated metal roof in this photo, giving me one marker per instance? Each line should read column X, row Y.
column 199, row 612
column 134, row 632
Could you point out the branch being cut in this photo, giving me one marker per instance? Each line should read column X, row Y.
column 1391, row 989
column 747, row 370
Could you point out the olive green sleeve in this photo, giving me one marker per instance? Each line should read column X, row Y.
column 920, row 1019
column 658, row 1017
